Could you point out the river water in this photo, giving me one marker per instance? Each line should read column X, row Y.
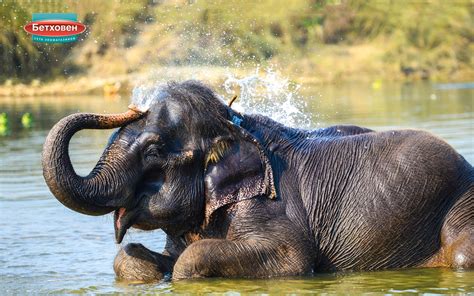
column 46, row 248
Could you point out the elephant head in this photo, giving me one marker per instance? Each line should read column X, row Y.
column 171, row 167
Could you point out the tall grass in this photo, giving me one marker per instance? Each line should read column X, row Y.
column 112, row 21
column 421, row 38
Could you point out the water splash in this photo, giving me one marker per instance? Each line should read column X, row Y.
column 263, row 92
column 143, row 96
column 271, row 95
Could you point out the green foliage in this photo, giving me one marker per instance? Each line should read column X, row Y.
column 423, row 37
column 27, row 120
column 20, row 57
column 112, row 22
column 4, row 126
column 225, row 32
column 417, row 36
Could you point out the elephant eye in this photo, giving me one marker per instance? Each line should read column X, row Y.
column 154, row 150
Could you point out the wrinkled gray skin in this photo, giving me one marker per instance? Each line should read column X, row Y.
column 244, row 196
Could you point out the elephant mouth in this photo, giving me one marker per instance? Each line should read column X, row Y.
column 123, row 220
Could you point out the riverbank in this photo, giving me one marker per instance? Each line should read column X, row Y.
column 332, row 65
column 127, row 44
column 111, row 85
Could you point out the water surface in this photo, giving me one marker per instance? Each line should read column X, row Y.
column 45, row 247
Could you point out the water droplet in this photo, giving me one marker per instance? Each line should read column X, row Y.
column 271, row 95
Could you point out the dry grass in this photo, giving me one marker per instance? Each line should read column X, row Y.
column 308, row 41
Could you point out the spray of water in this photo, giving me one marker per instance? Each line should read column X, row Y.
column 269, row 94
column 143, row 96
column 263, row 92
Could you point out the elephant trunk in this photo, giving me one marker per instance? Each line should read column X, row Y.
column 99, row 192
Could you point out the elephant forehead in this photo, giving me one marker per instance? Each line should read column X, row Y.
column 165, row 113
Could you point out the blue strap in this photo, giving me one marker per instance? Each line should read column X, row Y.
column 236, row 120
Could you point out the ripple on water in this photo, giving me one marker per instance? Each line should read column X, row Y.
column 47, row 248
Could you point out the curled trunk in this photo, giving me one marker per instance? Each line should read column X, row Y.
column 104, row 189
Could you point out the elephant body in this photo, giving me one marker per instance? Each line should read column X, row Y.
column 244, row 196
column 371, row 200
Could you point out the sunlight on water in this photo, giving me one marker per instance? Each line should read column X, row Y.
column 47, row 248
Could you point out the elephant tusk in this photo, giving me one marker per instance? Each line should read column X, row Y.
column 232, row 101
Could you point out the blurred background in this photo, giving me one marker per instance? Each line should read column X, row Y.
column 306, row 63
column 314, row 41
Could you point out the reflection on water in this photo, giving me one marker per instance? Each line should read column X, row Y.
column 47, row 248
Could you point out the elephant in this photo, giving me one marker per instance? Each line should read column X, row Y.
column 241, row 195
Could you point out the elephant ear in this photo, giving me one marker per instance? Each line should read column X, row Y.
column 236, row 169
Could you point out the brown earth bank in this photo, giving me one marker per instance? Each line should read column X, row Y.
column 309, row 42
